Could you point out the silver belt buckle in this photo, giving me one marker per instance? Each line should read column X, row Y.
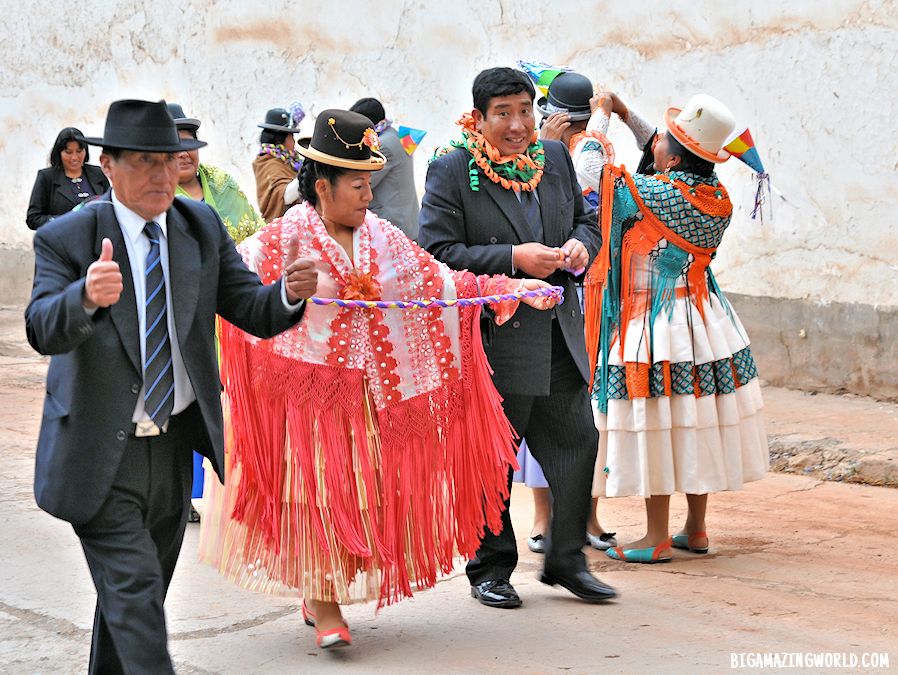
column 148, row 428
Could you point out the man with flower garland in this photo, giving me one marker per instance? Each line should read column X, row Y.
column 502, row 202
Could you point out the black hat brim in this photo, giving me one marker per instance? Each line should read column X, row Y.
column 275, row 127
column 187, row 123
column 186, row 144
column 376, row 163
column 577, row 116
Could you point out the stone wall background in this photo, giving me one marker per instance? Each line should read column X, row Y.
column 816, row 82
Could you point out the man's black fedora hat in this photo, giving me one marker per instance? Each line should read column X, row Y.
column 143, row 126
column 278, row 119
column 570, row 93
column 345, row 139
column 181, row 119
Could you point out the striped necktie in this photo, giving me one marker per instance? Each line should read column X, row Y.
column 158, row 376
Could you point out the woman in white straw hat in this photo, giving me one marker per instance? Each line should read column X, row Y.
column 675, row 386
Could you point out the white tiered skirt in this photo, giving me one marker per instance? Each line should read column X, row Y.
column 701, row 429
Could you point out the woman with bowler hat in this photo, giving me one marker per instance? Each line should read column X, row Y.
column 209, row 183
column 277, row 164
column 370, row 444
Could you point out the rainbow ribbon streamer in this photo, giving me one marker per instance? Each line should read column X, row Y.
column 410, row 138
column 542, row 74
column 551, row 291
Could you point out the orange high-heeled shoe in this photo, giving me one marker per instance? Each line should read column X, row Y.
column 307, row 614
column 327, row 639
column 335, row 637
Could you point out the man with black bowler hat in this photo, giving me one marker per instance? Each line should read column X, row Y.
column 504, row 203
column 125, row 296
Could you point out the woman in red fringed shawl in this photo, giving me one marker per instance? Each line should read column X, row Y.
column 368, row 448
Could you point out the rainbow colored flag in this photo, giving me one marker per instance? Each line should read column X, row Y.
column 743, row 147
column 410, row 138
column 542, row 74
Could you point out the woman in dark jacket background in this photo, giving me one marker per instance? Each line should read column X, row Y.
column 67, row 182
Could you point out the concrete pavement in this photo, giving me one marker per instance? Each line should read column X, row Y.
column 797, row 564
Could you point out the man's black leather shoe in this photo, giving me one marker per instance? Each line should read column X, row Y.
column 582, row 584
column 496, row 593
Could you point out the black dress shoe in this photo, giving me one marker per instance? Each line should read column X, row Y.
column 193, row 516
column 496, row 593
column 582, row 584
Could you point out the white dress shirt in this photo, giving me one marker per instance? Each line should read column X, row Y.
column 138, row 246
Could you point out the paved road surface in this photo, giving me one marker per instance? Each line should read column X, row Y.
column 796, row 565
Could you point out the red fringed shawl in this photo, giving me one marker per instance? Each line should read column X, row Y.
column 371, row 437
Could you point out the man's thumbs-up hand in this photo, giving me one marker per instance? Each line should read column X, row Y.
column 103, row 284
column 300, row 275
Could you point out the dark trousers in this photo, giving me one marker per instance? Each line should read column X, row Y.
column 132, row 545
column 561, row 435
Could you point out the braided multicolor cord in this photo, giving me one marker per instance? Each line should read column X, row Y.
column 551, row 291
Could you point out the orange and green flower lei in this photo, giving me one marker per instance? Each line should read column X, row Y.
column 512, row 172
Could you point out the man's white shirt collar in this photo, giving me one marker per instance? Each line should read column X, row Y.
column 133, row 224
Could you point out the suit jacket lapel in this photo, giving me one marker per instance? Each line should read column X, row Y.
column 508, row 202
column 124, row 312
column 548, row 190
column 94, row 177
column 63, row 186
column 184, row 272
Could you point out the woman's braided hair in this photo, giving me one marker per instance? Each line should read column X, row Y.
column 309, row 172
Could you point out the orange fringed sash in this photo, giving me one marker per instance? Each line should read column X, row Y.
column 710, row 200
column 640, row 240
column 594, row 283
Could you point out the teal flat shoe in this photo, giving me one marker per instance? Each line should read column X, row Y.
column 647, row 556
column 684, row 542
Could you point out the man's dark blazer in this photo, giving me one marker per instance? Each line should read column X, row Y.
column 52, row 193
column 95, row 371
column 474, row 231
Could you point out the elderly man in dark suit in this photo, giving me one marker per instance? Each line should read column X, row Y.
column 504, row 203
column 125, row 296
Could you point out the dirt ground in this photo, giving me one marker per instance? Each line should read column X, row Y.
column 799, row 568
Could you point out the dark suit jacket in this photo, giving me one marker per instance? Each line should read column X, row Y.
column 395, row 198
column 95, row 371
column 474, row 231
column 52, row 193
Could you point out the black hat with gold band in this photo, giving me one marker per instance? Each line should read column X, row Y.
column 345, row 139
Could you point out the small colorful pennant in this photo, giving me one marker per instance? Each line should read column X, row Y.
column 743, row 147
column 410, row 138
column 542, row 74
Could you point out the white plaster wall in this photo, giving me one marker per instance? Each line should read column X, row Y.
column 815, row 81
